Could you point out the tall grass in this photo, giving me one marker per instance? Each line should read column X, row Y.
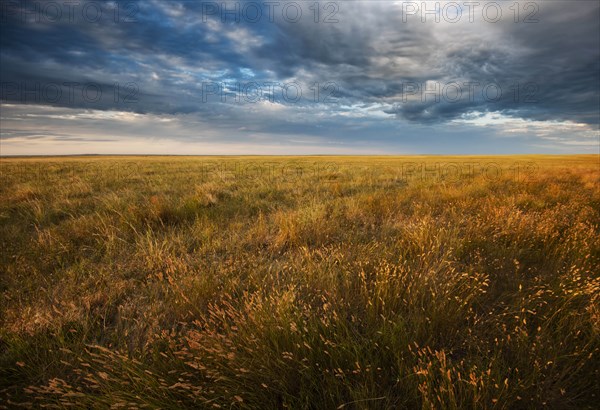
column 300, row 282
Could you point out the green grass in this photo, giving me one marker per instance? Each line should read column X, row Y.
column 300, row 282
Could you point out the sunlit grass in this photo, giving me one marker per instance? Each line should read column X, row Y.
column 300, row 282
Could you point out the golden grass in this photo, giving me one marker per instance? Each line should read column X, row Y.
column 300, row 282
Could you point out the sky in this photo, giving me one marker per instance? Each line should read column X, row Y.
column 299, row 77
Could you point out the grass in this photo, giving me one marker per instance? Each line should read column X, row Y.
column 300, row 282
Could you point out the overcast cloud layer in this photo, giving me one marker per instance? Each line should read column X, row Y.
column 374, row 77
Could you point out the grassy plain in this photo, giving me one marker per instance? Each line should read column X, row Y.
column 300, row 282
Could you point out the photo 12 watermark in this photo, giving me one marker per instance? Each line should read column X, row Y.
column 456, row 171
column 270, row 11
column 400, row 175
column 471, row 91
column 255, row 91
column 470, row 11
column 69, row 11
column 69, row 93
column 53, row 171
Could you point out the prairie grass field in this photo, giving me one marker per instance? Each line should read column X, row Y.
column 319, row 282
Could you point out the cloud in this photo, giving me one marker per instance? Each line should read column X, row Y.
column 378, row 69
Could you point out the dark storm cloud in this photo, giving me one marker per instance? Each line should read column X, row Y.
column 546, row 70
column 555, row 63
column 158, row 62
